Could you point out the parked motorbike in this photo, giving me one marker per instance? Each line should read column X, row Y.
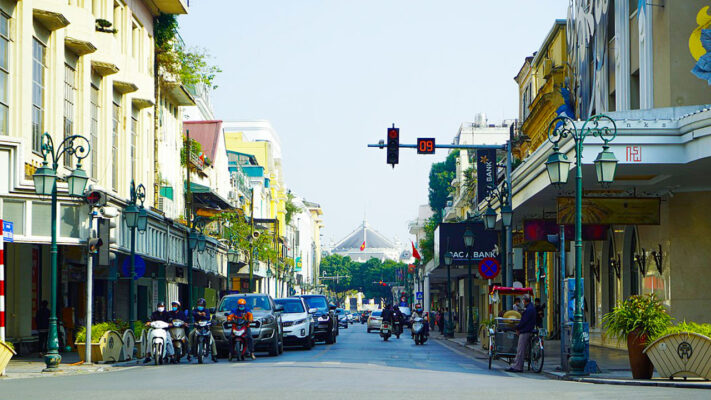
column 236, row 330
column 385, row 330
column 180, row 340
column 158, row 344
column 202, row 339
column 418, row 330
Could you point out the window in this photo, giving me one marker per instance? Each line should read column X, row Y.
column 69, row 95
column 94, row 129
column 4, row 72
column 38, row 70
column 134, row 130
column 116, row 116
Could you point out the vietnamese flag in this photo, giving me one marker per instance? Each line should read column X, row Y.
column 415, row 253
column 362, row 246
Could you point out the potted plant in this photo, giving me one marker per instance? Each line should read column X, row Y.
column 636, row 320
column 682, row 351
column 7, row 350
column 106, row 343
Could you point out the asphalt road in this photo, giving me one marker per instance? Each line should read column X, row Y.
column 358, row 366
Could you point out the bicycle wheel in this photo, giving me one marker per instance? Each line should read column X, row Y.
column 536, row 355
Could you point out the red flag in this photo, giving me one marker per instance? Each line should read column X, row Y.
column 414, row 251
column 362, row 246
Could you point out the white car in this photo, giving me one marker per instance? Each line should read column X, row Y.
column 298, row 322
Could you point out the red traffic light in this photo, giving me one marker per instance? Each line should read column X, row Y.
column 393, row 133
column 96, row 198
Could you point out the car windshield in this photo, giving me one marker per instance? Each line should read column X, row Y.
column 317, row 302
column 254, row 303
column 376, row 313
column 291, row 306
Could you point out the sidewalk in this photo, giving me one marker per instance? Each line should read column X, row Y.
column 613, row 364
column 31, row 366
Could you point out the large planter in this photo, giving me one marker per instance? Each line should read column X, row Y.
column 640, row 364
column 684, row 354
column 107, row 350
column 129, row 343
column 141, row 344
column 6, row 354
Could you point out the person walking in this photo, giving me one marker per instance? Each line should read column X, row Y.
column 524, row 330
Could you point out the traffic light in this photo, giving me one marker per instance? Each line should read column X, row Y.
column 393, row 147
column 94, row 244
column 95, row 198
column 106, row 238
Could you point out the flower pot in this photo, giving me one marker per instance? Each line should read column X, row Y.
column 6, row 354
column 95, row 352
column 683, row 354
column 641, row 365
column 108, row 349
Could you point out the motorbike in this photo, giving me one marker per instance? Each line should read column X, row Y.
column 397, row 328
column 180, row 340
column 385, row 330
column 418, row 330
column 236, row 330
column 202, row 339
column 158, row 344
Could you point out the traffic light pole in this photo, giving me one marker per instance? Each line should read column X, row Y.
column 89, row 288
column 448, row 146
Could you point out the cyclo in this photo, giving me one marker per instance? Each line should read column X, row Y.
column 503, row 339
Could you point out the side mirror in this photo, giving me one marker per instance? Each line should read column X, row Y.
column 278, row 308
column 332, row 306
column 212, row 310
column 313, row 310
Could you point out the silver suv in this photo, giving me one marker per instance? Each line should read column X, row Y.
column 267, row 328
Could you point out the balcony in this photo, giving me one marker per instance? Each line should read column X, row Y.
column 172, row 6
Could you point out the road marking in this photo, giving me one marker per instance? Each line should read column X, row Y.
column 286, row 363
column 331, row 362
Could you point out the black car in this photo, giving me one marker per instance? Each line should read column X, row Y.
column 325, row 317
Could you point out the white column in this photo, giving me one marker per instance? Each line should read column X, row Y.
column 622, row 56
column 427, row 293
column 646, row 57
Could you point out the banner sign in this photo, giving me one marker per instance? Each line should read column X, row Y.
column 611, row 210
column 298, row 264
column 539, row 229
column 450, row 237
column 485, row 173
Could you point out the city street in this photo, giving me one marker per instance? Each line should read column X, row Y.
column 359, row 365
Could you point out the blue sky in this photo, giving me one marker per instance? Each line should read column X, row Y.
column 331, row 75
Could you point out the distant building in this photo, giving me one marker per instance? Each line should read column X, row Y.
column 365, row 243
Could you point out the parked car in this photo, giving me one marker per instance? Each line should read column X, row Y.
column 325, row 317
column 267, row 328
column 298, row 322
column 342, row 318
column 375, row 320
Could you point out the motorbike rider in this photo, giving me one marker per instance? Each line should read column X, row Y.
column 398, row 317
column 243, row 311
column 159, row 315
column 388, row 314
column 420, row 313
column 201, row 313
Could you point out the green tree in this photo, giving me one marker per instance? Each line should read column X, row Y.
column 441, row 176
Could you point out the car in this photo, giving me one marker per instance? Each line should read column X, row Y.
column 375, row 320
column 342, row 318
column 298, row 322
column 326, row 328
column 267, row 327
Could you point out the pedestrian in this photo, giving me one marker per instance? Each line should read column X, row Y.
column 42, row 321
column 517, row 305
column 440, row 321
column 540, row 308
column 524, row 330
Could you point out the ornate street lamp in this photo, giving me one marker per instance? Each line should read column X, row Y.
column 490, row 218
column 469, row 243
column 136, row 218
column 506, row 215
column 45, row 180
column 232, row 256
column 557, row 165
column 449, row 328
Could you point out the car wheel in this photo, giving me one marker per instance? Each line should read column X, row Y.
column 274, row 348
column 281, row 345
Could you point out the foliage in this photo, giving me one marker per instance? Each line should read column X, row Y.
column 427, row 243
column 195, row 148
column 98, row 330
column 10, row 345
column 441, row 176
column 643, row 314
column 195, row 70
column 237, row 230
column 291, row 208
column 360, row 276
column 702, row 329
column 469, row 186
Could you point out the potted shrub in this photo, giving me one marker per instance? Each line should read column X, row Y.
column 7, row 350
column 682, row 351
column 636, row 320
column 106, row 343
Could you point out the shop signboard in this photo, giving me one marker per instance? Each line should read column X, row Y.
column 485, row 173
column 611, row 210
column 450, row 237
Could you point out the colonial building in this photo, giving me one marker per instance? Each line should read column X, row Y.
column 365, row 243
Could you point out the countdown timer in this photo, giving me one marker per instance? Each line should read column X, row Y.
column 425, row 145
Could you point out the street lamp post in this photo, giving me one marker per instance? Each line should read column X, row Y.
column 196, row 241
column 448, row 328
column 558, row 167
column 136, row 217
column 503, row 195
column 45, row 180
column 471, row 329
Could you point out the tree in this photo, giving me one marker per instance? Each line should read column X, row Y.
column 236, row 229
column 441, row 176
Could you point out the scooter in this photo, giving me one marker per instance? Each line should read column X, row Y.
column 385, row 331
column 158, row 344
column 236, row 330
column 202, row 329
column 397, row 328
column 177, row 333
column 418, row 330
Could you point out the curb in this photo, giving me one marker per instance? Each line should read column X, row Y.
column 604, row 381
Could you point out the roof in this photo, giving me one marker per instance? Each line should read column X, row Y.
column 373, row 240
column 204, row 197
column 207, row 133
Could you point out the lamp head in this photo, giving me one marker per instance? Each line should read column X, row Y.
column 558, row 167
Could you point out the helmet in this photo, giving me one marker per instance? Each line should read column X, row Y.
column 175, row 303
column 201, row 302
column 241, row 302
column 418, row 306
column 161, row 304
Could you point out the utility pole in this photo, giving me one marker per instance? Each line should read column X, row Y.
column 90, row 288
column 189, row 220
column 251, row 241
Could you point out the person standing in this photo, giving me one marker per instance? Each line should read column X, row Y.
column 524, row 330
column 42, row 321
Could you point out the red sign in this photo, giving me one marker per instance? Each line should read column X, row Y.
column 425, row 145
column 489, row 268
